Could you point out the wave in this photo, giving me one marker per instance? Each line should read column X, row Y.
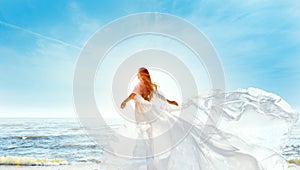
column 25, row 137
column 28, row 161
column 33, row 137
column 11, row 124
column 75, row 129
column 89, row 145
column 93, row 160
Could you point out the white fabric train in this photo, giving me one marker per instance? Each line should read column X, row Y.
column 249, row 135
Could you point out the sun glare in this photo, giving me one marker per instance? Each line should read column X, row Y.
column 167, row 85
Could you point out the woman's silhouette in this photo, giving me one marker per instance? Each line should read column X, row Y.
column 145, row 88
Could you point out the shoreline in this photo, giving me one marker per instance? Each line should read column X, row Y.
column 58, row 167
column 82, row 167
column 87, row 166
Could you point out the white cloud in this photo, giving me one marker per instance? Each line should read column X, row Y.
column 42, row 84
column 257, row 43
column 39, row 81
column 13, row 111
column 38, row 35
column 87, row 25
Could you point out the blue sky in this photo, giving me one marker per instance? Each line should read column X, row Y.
column 40, row 42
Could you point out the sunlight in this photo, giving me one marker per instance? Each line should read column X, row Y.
column 167, row 84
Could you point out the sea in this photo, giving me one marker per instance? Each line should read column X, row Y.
column 47, row 139
column 42, row 138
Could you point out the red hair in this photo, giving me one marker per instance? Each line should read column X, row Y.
column 147, row 88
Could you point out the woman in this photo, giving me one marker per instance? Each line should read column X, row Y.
column 236, row 146
column 143, row 95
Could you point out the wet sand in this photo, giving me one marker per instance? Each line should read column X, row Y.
column 83, row 167
column 60, row 167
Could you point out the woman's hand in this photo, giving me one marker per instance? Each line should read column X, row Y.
column 130, row 97
column 123, row 104
column 172, row 102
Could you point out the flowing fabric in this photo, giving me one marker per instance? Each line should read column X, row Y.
column 250, row 134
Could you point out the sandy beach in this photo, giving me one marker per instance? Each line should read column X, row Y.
column 80, row 167
column 60, row 167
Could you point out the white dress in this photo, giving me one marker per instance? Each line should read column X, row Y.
column 254, row 123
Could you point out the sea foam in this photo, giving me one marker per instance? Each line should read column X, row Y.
column 28, row 161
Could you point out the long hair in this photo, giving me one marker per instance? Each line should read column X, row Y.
column 147, row 88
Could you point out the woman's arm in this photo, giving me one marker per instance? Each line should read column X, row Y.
column 130, row 97
column 169, row 101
